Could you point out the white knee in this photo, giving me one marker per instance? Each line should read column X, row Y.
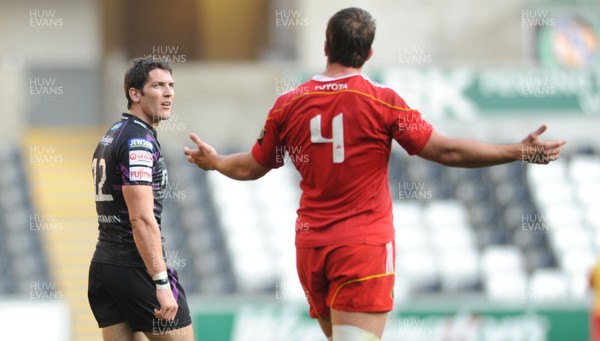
column 351, row 333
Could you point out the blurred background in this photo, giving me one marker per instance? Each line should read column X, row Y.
column 503, row 253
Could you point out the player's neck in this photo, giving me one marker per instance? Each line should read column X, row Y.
column 335, row 70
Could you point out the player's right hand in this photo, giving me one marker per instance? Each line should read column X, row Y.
column 168, row 305
column 534, row 150
column 204, row 156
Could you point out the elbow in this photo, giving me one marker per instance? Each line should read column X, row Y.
column 139, row 221
column 442, row 150
column 252, row 174
column 446, row 156
column 253, row 171
column 450, row 159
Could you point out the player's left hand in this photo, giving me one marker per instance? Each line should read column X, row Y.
column 534, row 150
column 204, row 156
column 168, row 305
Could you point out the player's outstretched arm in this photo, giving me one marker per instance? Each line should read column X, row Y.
column 471, row 154
column 240, row 166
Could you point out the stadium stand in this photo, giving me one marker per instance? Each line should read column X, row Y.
column 499, row 232
column 61, row 192
column 510, row 232
column 22, row 257
column 193, row 240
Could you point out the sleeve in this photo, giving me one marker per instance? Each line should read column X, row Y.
column 268, row 150
column 408, row 127
column 136, row 160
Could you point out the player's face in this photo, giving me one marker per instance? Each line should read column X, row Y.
column 158, row 94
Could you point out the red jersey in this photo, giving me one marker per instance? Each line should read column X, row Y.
column 338, row 133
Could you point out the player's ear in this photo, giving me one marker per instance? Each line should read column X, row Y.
column 134, row 94
column 369, row 54
column 325, row 48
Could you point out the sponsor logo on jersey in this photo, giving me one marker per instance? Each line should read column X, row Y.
column 109, row 219
column 140, row 158
column 116, row 126
column 133, row 143
column 332, row 86
column 140, row 123
column 106, row 140
column 140, row 174
column 261, row 136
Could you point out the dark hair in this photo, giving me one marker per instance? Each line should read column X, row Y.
column 350, row 33
column 137, row 74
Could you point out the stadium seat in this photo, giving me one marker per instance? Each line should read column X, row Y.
column 583, row 168
column 407, row 214
column 453, row 237
column 502, row 259
column 445, row 213
column 459, row 269
column 586, row 192
column 253, row 269
column 548, row 284
column 418, row 266
column 577, row 262
column 552, row 194
column 411, row 238
column 552, row 173
column 567, row 238
column 563, row 215
column 579, row 287
column 505, row 286
column 469, row 191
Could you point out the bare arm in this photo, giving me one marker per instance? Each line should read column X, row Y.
column 146, row 234
column 471, row 154
column 240, row 166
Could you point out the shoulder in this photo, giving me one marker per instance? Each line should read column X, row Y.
column 381, row 93
column 134, row 137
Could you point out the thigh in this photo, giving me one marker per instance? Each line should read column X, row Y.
column 182, row 334
column 121, row 332
column 371, row 322
column 361, row 278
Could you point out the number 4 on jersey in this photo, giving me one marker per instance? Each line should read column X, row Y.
column 337, row 135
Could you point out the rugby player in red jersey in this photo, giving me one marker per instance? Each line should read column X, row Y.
column 345, row 124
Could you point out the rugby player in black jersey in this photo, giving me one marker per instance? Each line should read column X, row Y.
column 131, row 291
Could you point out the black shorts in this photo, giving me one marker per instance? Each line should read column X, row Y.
column 126, row 294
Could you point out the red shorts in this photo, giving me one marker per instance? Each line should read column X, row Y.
column 354, row 278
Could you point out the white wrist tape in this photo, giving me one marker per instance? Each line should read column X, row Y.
column 161, row 280
column 164, row 286
column 160, row 275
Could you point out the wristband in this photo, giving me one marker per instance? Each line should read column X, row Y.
column 162, row 284
column 160, row 275
column 161, row 280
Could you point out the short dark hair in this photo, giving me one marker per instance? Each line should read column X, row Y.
column 137, row 74
column 350, row 33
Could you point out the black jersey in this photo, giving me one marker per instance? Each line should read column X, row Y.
column 128, row 154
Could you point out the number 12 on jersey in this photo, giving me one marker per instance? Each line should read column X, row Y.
column 100, row 167
column 337, row 135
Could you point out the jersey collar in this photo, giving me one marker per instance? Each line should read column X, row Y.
column 322, row 78
column 135, row 119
